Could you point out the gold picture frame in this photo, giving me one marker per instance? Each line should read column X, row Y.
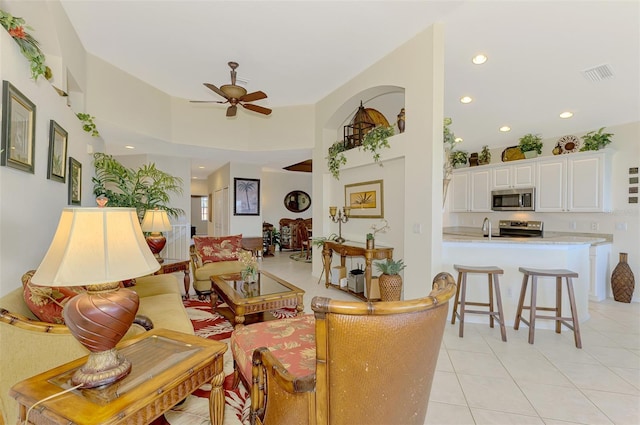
column 18, row 129
column 366, row 199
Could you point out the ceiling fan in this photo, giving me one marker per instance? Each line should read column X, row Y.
column 236, row 95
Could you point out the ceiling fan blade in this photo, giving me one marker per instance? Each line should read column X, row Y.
column 257, row 108
column 231, row 111
column 217, row 90
column 208, row 101
column 256, row 95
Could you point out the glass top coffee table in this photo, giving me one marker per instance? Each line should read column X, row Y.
column 269, row 292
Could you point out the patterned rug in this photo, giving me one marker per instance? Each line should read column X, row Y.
column 195, row 409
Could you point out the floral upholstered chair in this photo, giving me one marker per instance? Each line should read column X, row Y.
column 349, row 363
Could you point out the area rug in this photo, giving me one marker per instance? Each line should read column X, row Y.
column 195, row 409
column 300, row 256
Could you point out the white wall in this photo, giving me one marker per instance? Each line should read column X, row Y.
column 275, row 186
column 30, row 204
column 625, row 149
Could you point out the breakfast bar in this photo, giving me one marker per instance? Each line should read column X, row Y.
column 510, row 253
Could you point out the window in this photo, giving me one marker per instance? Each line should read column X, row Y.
column 204, row 208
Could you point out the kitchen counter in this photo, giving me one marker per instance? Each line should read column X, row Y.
column 556, row 250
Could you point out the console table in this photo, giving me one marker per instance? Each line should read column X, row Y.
column 353, row 249
column 166, row 367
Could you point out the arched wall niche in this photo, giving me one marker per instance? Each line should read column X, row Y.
column 386, row 99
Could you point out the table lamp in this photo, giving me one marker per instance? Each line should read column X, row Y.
column 155, row 222
column 98, row 248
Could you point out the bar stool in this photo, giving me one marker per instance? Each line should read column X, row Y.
column 533, row 308
column 461, row 296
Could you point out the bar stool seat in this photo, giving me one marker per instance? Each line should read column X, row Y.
column 492, row 273
column 569, row 322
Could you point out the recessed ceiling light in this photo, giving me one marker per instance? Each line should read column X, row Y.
column 201, row 167
column 466, row 99
column 458, row 139
column 505, row 128
column 566, row 114
column 479, row 59
column 194, row 177
column 129, row 147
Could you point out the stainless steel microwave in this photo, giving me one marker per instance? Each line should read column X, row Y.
column 520, row 199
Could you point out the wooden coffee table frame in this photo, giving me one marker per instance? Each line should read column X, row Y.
column 241, row 306
column 142, row 403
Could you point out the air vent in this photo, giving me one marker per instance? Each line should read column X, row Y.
column 598, row 73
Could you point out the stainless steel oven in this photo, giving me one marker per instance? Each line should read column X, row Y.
column 520, row 199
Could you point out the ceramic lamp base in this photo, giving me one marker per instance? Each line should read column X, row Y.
column 156, row 242
column 99, row 319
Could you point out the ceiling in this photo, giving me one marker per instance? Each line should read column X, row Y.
column 299, row 51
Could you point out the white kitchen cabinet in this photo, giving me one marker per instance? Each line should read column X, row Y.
column 514, row 175
column 573, row 183
column 471, row 191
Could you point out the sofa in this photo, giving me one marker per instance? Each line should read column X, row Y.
column 212, row 256
column 29, row 346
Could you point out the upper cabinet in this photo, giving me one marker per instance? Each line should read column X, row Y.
column 576, row 183
column 514, row 175
column 471, row 190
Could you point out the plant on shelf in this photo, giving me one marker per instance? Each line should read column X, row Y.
column 459, row 158
column 29, row 46
column 87, row 124
column 376, row 139
column 390, row 280
column 485, row 156
column 530, row 143
column 373, row 141
column 336, row 158
column 142, row 189
column 595, row 140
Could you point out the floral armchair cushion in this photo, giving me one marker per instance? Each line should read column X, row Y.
column 47, row 302
column 292, row 341
column 214, row 249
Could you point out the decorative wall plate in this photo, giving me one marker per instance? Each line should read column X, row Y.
column 569, row 144
column 512, row 153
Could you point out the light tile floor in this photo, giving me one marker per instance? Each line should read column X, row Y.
column 482, row 380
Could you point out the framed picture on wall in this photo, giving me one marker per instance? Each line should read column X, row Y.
column 57, row 167
column 75, row 182
column 18, row 129
column 246, row 196
column 365, row 199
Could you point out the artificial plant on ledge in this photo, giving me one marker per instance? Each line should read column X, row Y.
column 373, row 141
column 28, row 45
column 87, row 124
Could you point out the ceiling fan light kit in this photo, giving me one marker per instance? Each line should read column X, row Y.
column 236, row 95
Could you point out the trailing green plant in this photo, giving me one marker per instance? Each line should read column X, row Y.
column 459, row 157
column 391, row 267
column 595, row 140
column 485, row 155
column 531, row 142
column 29, row 46
column 376, row 139
column 142, row 189
column 88, row 124
column 336, row 158
column 449, row 140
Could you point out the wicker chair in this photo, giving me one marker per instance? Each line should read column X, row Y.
column 375, row 364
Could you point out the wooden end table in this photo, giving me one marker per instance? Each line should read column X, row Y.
column 268, row 293
column 167, row 366
column 170, row 265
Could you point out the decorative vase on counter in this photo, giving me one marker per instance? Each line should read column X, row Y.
column 622, row 280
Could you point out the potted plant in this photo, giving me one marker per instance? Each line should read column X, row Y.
column 377, row 138
column 370, row 241
column 485, row 156
column 390, row 280
column 595, row 140
column 531, row 145
column 142, row 189
column 336, row 158
column 459, row 159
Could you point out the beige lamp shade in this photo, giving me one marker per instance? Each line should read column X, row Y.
column 156, row 221
column 93, row 246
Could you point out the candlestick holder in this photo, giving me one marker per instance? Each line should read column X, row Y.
column 341, row 217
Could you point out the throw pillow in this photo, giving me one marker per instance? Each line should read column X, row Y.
column 214, row 249
column 47, row 302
